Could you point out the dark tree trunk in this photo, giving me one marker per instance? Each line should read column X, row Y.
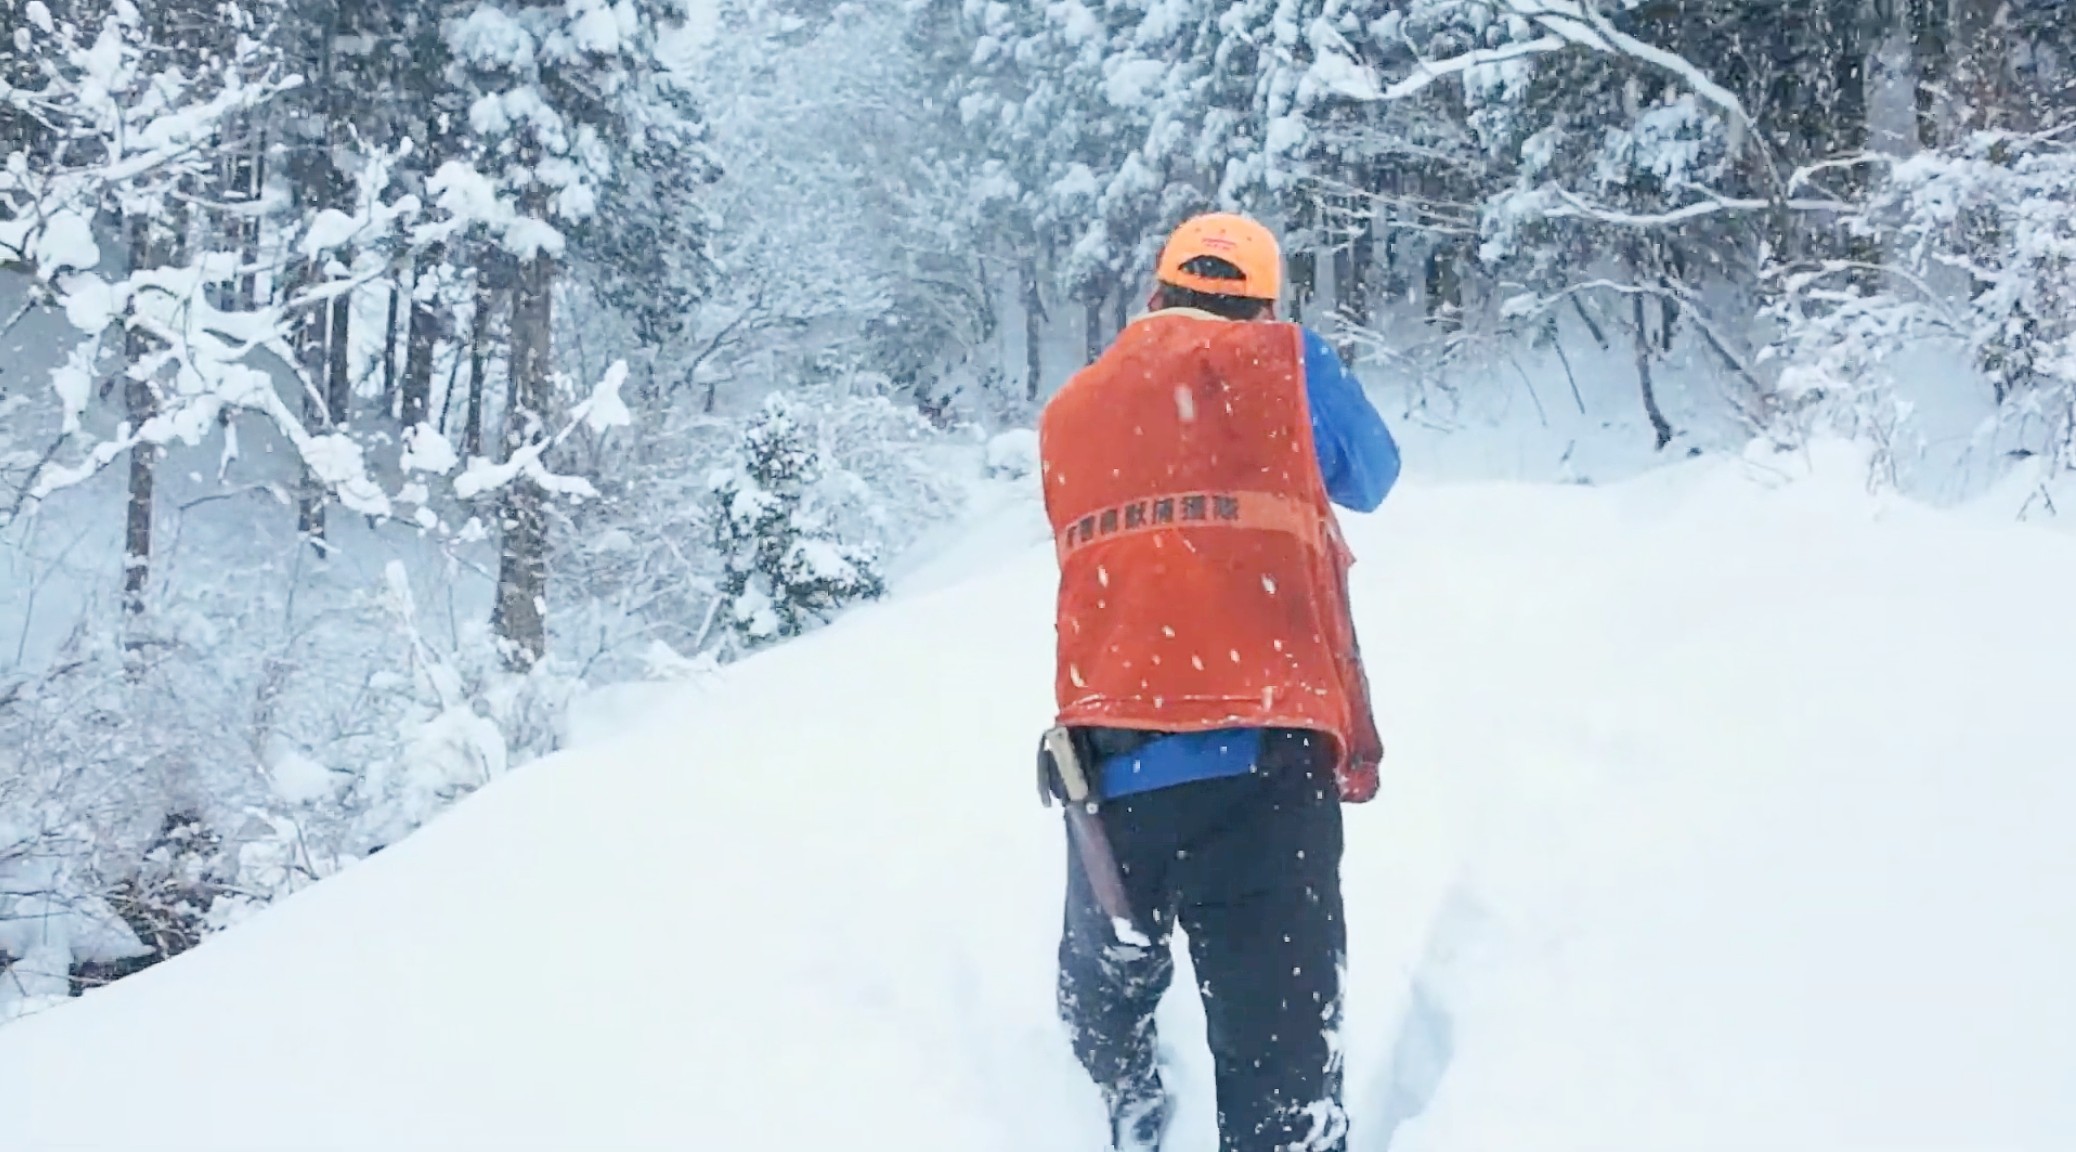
column 1981, row 66
column 1034, row 316
column 1343, row 257
column 140, row 405
column 1444, row 287
column 520, row 620
column 1093, row 315
column 1931, row 29
column 990, row 322
column 315, row 182
column 1852, row 132
column 1304, row 260
column 1593, row 328
column 149, row 239
column 1354, row 283
column 311, row 326
column 1659, row 428
column 389, row 381
column 422, row 342
column 256, row 169
column 1124, row 303
column 479, row 358
column 310, row 351
column 1355, row 301
column 338, row 397
column 230, row 224
column 238, row 175
column 1394, row 280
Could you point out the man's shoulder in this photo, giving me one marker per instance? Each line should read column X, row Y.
column 1318, row 348
column 1212, row 321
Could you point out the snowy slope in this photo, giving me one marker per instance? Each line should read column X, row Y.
column 1721, row 812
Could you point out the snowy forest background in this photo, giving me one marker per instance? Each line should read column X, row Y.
column 377, row 376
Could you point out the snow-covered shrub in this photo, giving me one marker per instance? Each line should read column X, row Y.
column 637, row 565
column 783, row 568
column 1981, row 256
column 168, row 902
column 80, row 780
column 888, row 472
column 251, row 738
column 461, row 719
column 1013, row 455
column 51, row 916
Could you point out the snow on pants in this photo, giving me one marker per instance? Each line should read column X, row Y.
column 1249, row 866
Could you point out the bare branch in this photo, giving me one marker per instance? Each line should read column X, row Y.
column 1807, row 173
column 1577, row 208
column 1670, row 290
column 720, row 340
column 27, row 307
column 24, row 495
column 1578, row 304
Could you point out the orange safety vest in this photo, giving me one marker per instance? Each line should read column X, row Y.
column 1203, row 577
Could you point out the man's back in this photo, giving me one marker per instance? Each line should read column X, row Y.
column 1208, row 668
column 1199, row 558
column 1181, row 399
column 1187, row 399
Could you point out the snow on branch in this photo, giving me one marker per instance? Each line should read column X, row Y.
column 603, row 409
column 138, row 134
column 83, row 101
column 1426, row 72
column 372, row 216
column 201, row 367
column 1569, row 22
column 1621, row 43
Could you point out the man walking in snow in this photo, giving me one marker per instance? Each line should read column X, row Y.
column 1213, row 712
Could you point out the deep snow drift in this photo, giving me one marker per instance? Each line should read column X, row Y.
column 1721, row 811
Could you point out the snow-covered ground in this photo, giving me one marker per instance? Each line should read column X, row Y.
column 1727, row 808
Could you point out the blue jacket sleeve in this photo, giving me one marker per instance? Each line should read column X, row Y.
column 1357, row 455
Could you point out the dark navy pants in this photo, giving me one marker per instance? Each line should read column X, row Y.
column 1249, row 866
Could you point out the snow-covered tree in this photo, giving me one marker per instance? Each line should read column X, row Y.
column 134, row 111
column 783, row 569
column 566, row 99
